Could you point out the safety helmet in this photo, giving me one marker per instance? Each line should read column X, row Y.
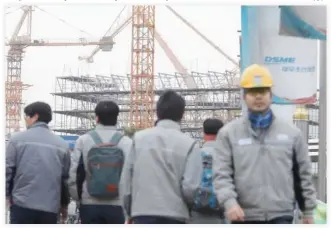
column 256, row 76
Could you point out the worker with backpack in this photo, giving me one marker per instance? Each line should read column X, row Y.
column 197, row 183
column 96, row 168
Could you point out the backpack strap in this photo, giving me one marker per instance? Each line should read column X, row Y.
column 188, row 154
column 191, row 149
column 96, row 138
column 116, row 138
column 189, row 206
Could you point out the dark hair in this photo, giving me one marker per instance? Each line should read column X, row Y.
column 42, row 109
column 107, row 112
column 170, row 106
column 211, row 126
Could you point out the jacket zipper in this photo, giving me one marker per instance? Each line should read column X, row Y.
column 264, row 179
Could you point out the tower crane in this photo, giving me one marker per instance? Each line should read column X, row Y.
column 17, row 45
column 189, row 81
column 142, row 66
column 142, row 63
column 144, row 104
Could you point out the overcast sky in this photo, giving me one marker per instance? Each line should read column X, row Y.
column 41, row 65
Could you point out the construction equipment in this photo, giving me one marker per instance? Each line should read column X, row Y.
column 146, row 100
column 111, row 32
column 203, row 36
column 142, row 66
column 17, row 44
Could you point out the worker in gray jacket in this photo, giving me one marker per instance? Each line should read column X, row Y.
column 96, row 209
column 153, row 171
column 262, row 167
column 197, row 183
column 37, row 166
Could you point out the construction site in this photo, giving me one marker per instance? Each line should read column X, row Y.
column 207, row 94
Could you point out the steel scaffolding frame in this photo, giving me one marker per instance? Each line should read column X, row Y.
column 76, row 97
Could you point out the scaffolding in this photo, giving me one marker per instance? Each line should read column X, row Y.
column 77, row 96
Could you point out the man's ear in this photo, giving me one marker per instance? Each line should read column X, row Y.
column 35, row 118
column 244, row 95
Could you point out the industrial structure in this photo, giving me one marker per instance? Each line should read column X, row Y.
column 142, row 77
column 207, row 94
column 142, row 66
column 76, row 97
column 17, row 45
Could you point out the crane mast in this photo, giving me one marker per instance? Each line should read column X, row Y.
column 14, row 85
column 142, row 66
column 17, row 44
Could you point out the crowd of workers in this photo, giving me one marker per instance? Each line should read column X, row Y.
column 253, row 170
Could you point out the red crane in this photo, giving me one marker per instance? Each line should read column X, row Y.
column 14, row 84
column 142, row 66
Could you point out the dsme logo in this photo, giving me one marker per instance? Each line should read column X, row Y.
column 278, row 60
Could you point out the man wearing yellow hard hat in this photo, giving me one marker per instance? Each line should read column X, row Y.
column 262, row 167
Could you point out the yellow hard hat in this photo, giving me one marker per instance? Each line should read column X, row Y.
column 256, row 76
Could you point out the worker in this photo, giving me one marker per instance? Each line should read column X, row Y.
column 37, row 166
column 261, row 165
column 152, row 189
column 97, row 190
column 197, row 182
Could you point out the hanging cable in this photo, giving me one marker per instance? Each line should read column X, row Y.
column 114, row 22
column 64, row 21
column 12, row 10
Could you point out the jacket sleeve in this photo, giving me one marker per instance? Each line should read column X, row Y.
column 125, row 144
column 223, row 172
column 75, row 158
column 65, row 196
column 303, row 183
column 126, row 181
column 10, row 167
column 192, row 176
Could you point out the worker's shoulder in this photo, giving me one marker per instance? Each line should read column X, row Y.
column 285, row 126
column 60, row 141
column 125, row 140
column 233, row 125
column 19, row 136
column 32, row 138
column 143, row 133
column 82, row 139
column 148, row 132
column 86, row 136
column 162, row 132
column 209, row 144
column 182, row 136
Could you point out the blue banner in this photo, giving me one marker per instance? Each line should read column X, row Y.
column 303, row 21
column 70, row 139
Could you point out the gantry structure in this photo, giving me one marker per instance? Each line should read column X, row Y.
column 77, row 96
